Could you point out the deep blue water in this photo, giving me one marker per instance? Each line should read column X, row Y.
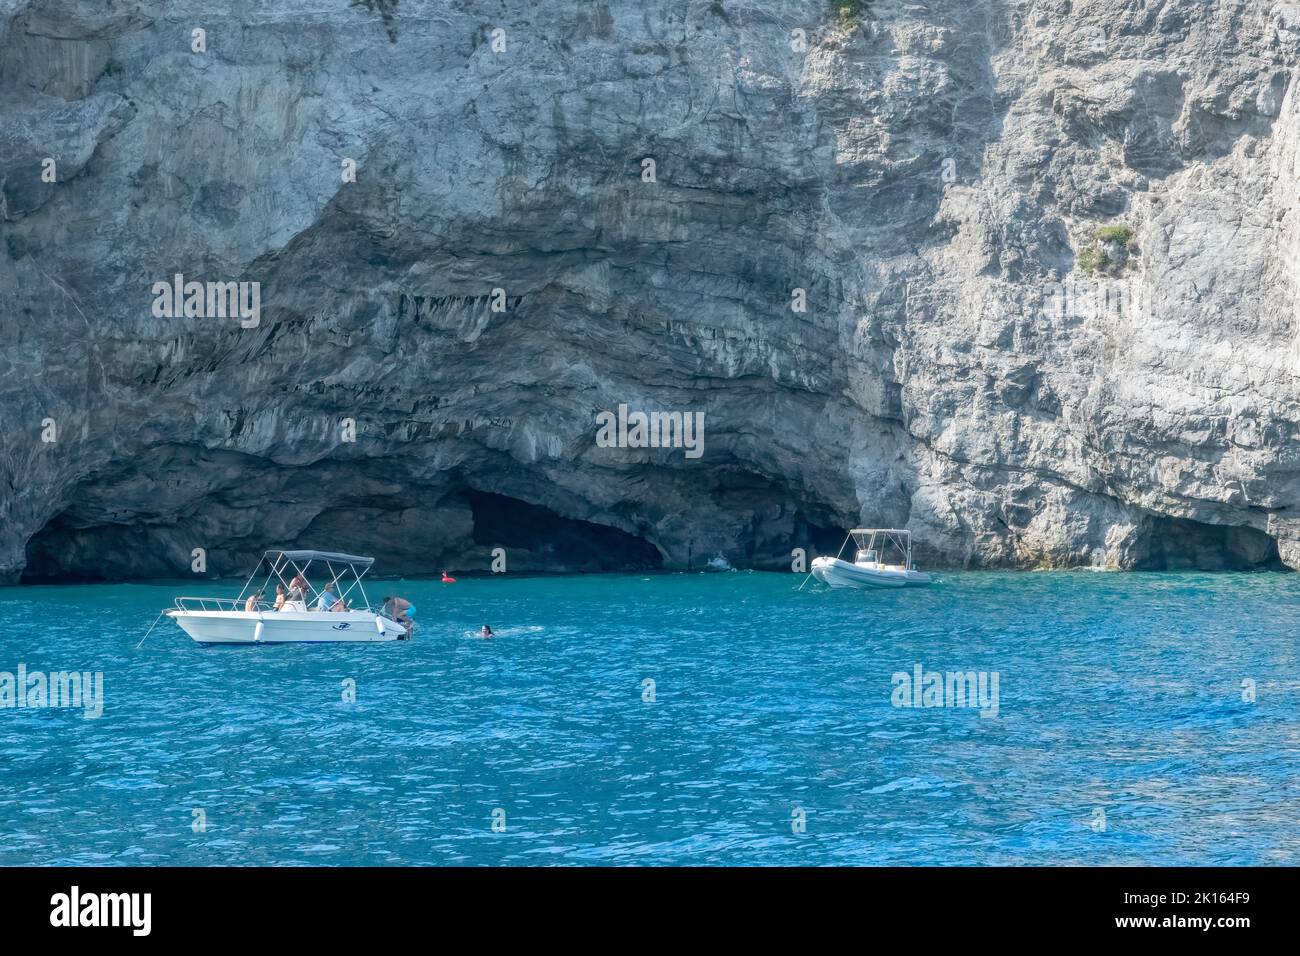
column 1117, row 693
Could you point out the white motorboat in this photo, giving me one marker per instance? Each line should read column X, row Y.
column 248, row 619
column 869, row 569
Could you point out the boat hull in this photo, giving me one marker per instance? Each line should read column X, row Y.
column 286, row 627
column 842, row 574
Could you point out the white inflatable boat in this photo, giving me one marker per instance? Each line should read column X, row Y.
column 868, row 568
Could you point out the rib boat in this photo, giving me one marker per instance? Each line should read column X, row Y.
column 868, row 568
column 248, row 619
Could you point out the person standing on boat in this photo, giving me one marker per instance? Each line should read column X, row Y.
column 398, row 610
column 297, row 598
column 280, row 597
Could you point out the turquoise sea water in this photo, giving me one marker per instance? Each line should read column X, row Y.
column 1120, row 694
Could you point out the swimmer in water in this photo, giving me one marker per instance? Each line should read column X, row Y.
column 486, row 632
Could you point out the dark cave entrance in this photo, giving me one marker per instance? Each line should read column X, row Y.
column 781, row 520
column 1181, row 544
column 64, row 552
column 537, row 539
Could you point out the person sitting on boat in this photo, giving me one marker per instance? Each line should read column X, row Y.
column 327, row 599
column 280, row 597
column 340, row 605
column 253, row 600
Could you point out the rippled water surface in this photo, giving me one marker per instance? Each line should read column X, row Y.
column 1116, row 693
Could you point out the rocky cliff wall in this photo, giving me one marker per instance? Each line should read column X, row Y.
column 1046, row 253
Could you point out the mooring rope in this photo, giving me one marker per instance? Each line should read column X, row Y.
column 810, row 574
column 151, row 627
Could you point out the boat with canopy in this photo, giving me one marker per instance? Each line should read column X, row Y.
column 883, row 559
column 250, row 619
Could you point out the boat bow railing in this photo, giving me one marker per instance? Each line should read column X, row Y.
column 208, row 604
column 237, row 604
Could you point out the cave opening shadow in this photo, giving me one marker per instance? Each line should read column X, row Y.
column 65, row 552
column 537, row 539
column 1181, row 544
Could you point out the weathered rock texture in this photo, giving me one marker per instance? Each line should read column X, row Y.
column 928, row 175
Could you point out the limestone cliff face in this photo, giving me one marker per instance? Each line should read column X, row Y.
column 975, row 362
